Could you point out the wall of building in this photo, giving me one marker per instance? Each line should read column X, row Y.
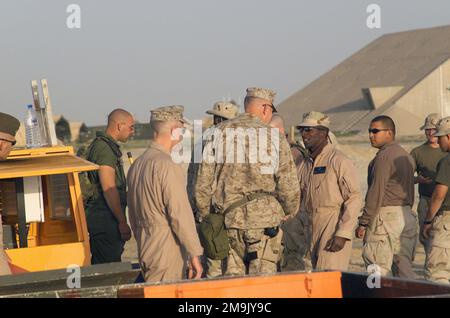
column 429, row 96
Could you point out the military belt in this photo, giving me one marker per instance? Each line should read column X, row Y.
column 247, row 198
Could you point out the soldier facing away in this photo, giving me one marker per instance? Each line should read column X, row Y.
column 388, row 224
column 160, row 215
column 222, row 111
column 8, row 129
column 252, row 197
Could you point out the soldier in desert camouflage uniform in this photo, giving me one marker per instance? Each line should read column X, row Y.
column 221, row 112
column 436, row 226
column 253, row 196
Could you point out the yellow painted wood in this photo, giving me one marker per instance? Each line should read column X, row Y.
column 39, row 166
column 55, row 243
column 40, row 152
column 49, row 257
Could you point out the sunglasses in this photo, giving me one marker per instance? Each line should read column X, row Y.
column 271, row 106
column 308, row 129
column 13, row 143
column 376, row 130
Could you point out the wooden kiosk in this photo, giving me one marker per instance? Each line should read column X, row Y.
column 44, row 224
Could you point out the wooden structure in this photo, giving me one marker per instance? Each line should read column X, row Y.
column 61, row 238
column 280, row 285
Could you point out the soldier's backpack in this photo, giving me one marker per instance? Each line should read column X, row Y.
column 213, row 236
column 88, row 188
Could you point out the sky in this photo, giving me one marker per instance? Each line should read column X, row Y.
column 143, row 54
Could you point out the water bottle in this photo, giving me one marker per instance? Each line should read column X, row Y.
column 32, row 129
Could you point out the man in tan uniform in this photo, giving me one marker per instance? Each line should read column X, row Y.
column 160, row 215
column 221, row 112
column 253, row 195
column 427, row 157
column 436, row 226
column 388, row 224
column 8, row 129
column 331, row 196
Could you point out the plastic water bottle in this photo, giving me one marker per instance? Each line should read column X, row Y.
column 32, row 130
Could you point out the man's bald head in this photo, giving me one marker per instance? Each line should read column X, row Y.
column 118, row 116
column 277, row 122
column 120, row 125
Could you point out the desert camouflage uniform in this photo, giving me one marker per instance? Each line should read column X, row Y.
column 221, row 184
column 437, row 266
column 226, row 110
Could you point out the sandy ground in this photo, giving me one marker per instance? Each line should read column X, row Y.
column 361, row 153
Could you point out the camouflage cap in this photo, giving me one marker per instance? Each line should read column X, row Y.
column 224, row 109
column 263, row 93
column 8, row 127
column 168, row 113
column 314, row 119
column 443, row 127
column 431, row 121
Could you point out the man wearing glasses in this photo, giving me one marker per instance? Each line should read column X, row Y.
column 8, row 129
column 105, row 209
column 253, row 197
column 427, row 157
column 387, row 223
column 330, row 194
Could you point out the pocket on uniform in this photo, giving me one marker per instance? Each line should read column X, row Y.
column 441, row 234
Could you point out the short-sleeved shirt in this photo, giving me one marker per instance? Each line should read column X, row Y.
column 427, row 158
column 443, row 177
column 105, row 151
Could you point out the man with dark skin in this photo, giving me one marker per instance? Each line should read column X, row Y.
column 330, row 194
column 388, row 225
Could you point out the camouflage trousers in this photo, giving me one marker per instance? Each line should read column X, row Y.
column 390, row 241
column 296, row 243
column 252, row 252
column 4, row 266
column 422, row 210
column 214, row 267
column 437, row 266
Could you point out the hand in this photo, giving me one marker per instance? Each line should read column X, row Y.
column 360, row 231
column 426, row 231
column 125, row 231
column 424, row 180
column 195, row 268
column 336, row 244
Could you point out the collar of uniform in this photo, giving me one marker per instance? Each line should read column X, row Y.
column 158, row 146
column 254, row 117
column 104, row 134
column 325, row 151
column 388, row 145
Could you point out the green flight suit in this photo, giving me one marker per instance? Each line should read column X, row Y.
column 106, row 243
